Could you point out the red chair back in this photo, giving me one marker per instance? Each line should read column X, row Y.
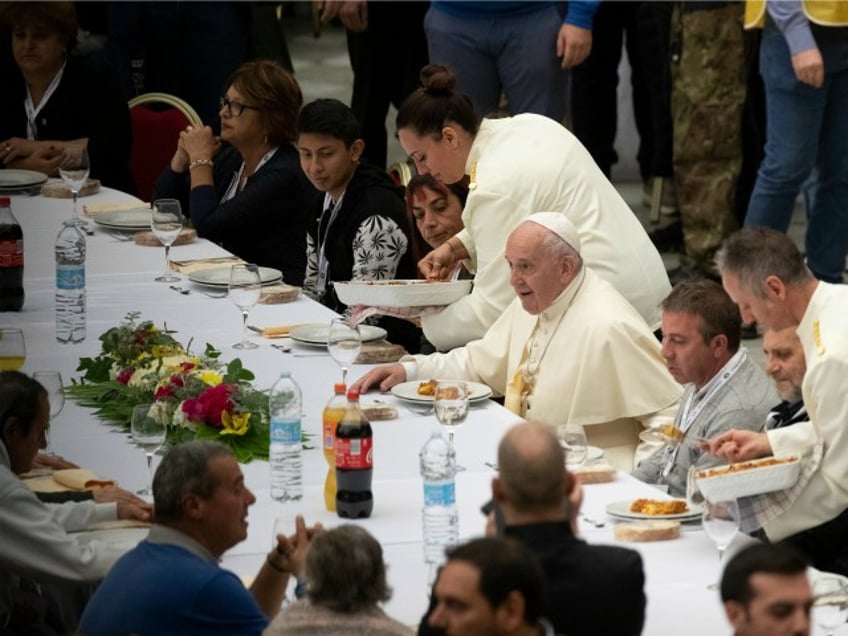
column 155, row 135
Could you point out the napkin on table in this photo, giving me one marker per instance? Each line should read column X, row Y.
column 191, row 266
column 93, row 209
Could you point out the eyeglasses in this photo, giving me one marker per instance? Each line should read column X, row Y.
column 234, row 109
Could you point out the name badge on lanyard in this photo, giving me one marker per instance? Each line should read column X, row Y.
column 328, row 216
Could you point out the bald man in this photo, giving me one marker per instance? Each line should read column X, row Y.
column 569, row 348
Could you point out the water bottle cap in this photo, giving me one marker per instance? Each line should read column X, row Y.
column 339, row 387
column 5, row 201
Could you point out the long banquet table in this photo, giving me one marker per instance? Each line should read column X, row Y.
column 120, row 279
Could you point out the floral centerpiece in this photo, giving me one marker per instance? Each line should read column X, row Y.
column 197, row 396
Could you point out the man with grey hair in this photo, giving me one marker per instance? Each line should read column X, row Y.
column 171, row 582
column 764, row 273
column 570, row 348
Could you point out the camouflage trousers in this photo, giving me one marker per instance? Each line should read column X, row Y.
column 707, row 97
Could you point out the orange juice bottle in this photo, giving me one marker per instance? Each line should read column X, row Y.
column 333, row 414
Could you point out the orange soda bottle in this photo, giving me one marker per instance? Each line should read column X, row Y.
column 333, row 414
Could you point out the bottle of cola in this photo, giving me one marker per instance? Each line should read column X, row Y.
column 11, row 259
column 354, row 462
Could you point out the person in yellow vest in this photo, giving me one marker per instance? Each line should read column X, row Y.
column 804, row 65
column 568, row 349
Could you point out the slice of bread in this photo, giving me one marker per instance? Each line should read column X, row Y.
column 596, row 473
column 378, row 411
column 642, row 531
column 278, row 294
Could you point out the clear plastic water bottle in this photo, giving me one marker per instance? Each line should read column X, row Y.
column 440, row 515
column 285, row 404
column 70, row 284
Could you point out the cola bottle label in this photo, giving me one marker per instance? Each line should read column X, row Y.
column 12, row 253
column 353, row 454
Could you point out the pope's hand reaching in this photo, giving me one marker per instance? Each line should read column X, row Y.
column 739, row 446
column 383, row 378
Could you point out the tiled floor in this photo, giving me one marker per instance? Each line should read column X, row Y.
column 323, row 70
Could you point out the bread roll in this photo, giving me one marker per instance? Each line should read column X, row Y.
column 277, row 294
column 642, row 531
column 596, row 474
column 378, row 411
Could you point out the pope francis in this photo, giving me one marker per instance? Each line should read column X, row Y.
column 568, row 349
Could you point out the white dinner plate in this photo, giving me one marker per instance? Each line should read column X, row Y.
column 408, row 391
column 132, row 219
column 621, row 510
column 316, row 333
column 401, row 293
column 14, row 180
column 220, row 276
column 594, row 453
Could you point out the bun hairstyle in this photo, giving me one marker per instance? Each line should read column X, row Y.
column 433, row 106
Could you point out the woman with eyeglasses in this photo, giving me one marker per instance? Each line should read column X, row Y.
column 53, row 98
column 245, row 190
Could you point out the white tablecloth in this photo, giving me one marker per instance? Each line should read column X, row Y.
column 120, row 279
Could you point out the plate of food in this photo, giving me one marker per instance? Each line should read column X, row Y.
column 133, row 219
column 220, row 276
column 316, row 333
column 401, row 293
column 678, row 509
column 744, row 479
column 422, row 392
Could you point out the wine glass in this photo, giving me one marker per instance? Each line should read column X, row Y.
column 149, row 433
column 166, row 223
column 450, row 402
column 245, row 287
column 830, row 602
column 572, row 438
column 52, row 383
column 721, row 523
column 74, row 171
column 12, row 349
column 343, row 343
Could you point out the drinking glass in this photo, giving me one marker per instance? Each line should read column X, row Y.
column 721, row 523
column 830, row 602
column 52, row 383
column 450, row 402
column 74, row 172
column 12, row 349
column 343, row 343
column 244, row 290
column 166, row 223
column 572, row 438
column 149, row 433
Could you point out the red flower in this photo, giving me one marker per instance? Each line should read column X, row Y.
column 124, row 376
column 208, row 406
column 167, row 390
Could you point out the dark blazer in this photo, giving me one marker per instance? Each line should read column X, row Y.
column 590, row 590
column 265, row 223
column 87, row 103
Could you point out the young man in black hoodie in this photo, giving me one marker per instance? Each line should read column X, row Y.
column 359, row 229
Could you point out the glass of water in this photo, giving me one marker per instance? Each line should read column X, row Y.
column 244, row 290
column 343, row 344
column 721, row 523
column 830, row 603
column 572, row 438
column 450, row 402
column 166, row 222
column 74, row 171
column 148, row 433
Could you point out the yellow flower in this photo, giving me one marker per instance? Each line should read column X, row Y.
column 235, row 424
column 209, row 377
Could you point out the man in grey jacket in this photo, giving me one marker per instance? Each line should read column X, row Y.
column 724, row 388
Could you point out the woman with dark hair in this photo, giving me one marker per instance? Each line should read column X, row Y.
column 345, row 582
column 245, row 190
column 56, row 99
column 517, row 166
column 434, row 210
